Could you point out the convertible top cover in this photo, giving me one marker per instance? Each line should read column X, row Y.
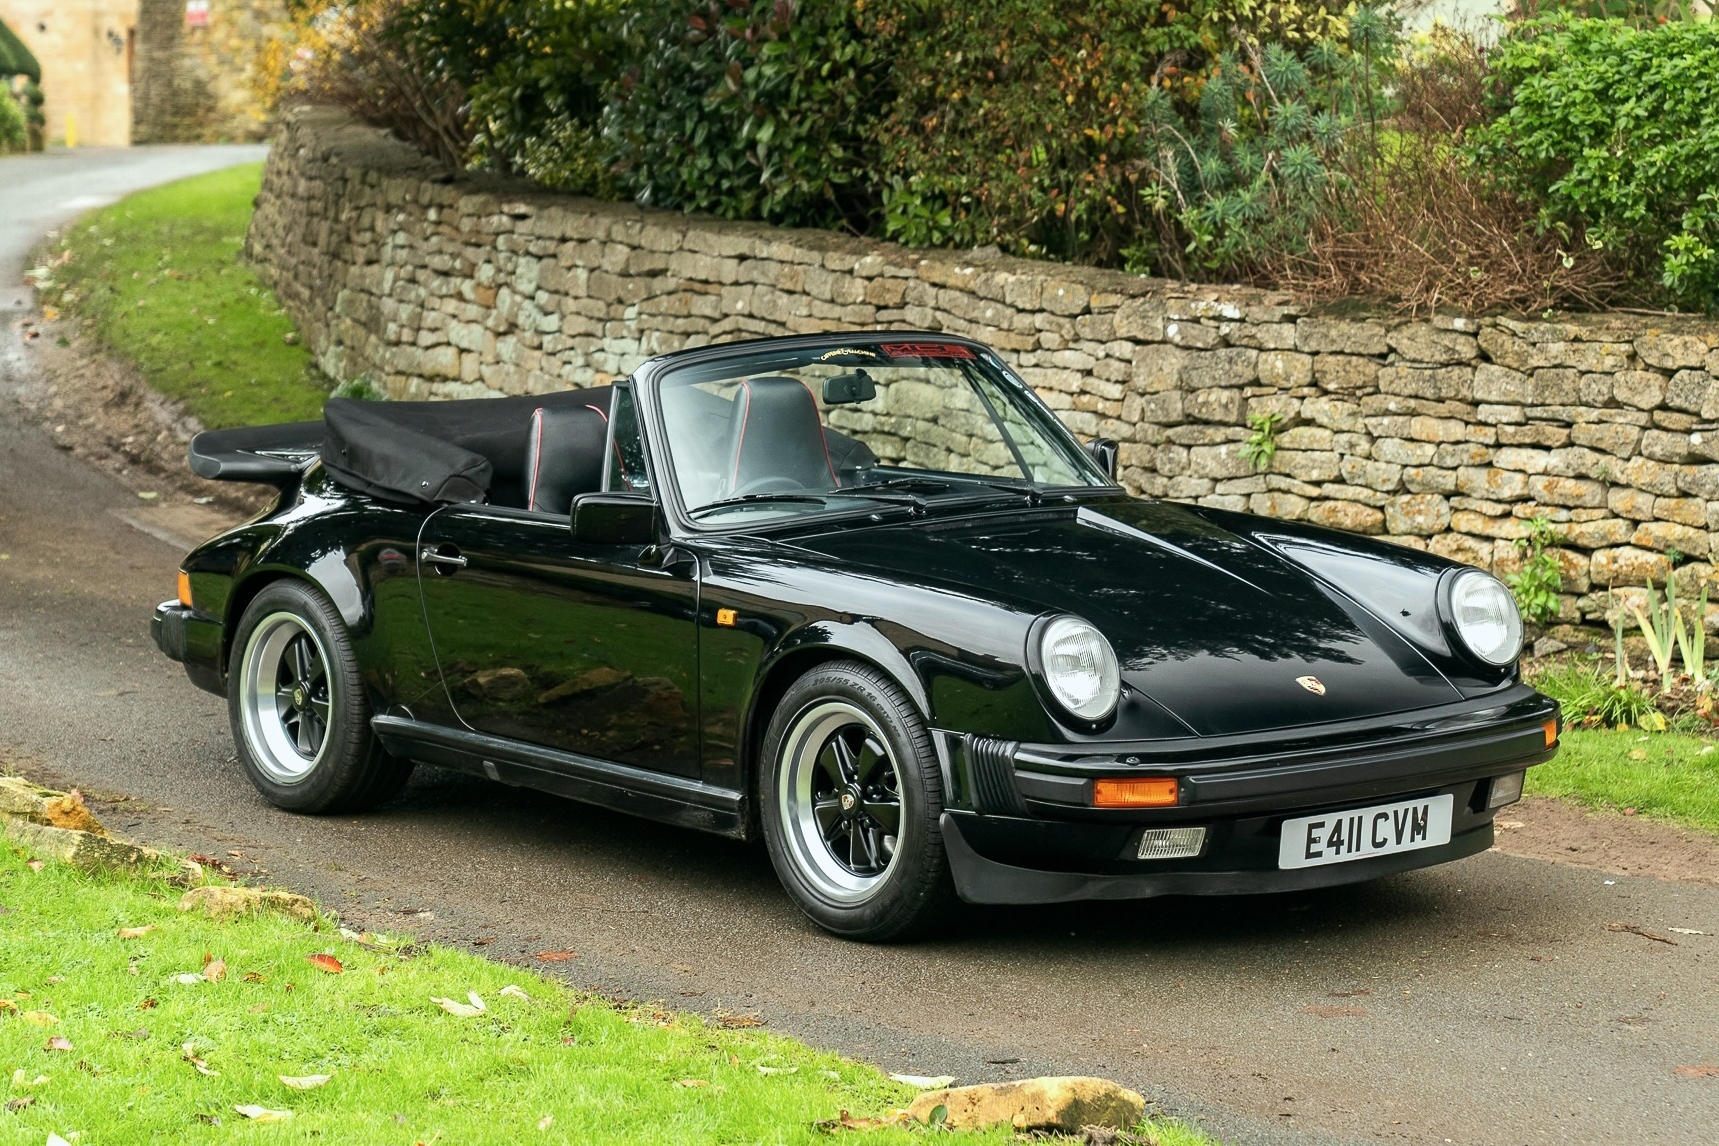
column 437, row 452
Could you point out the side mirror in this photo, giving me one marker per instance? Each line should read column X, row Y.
column 615, row 519
column 1103, row 451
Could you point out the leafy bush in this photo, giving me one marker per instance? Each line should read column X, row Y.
column 536, row 72
column 1535, row 585
column 13, row 134
column 754, row 109
column 1590, row 698
column 1614, row 132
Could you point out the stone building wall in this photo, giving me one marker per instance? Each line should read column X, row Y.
column 1449, row 434
column 194, row 83
column 86, row 49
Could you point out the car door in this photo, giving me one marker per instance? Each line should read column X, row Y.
column 588, row 648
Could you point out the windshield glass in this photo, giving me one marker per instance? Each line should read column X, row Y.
column 808, row 430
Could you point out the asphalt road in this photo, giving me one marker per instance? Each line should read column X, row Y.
column 1485, row 1002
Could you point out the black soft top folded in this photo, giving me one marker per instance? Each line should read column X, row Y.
column 463, row 450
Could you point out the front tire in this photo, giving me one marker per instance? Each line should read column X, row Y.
column 850, row 794
column 301, row 721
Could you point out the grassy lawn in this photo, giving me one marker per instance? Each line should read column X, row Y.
column 132, row 1055
column 1665, row 774
column 159, row 278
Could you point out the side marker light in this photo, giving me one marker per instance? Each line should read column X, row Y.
column 1152, row 792
column 185, row 588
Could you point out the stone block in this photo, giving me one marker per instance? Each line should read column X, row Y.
column 1634, row 504
column 1533, row 434
column 1332, row 413
column 1219, row 461
column 1550, row 489
column 1138, row 319
column 1344, row 372
column 1339, row 336
column 1664, row 535
column 1493, row 383
column 1690, row 511
column 1235, row 366
column 1215, row 404
column 1193, row 335
column 1666, row 446
column 1445, row 383
column 1617, row 440
column 1598, row 534
column 1425, row 429
column 1476, row 523
column 1461, row 547
column 1307, row 438
column 1347, row 515
column 1403, row 453
column 1491, row 483
column 1422, row 342
column 1556, row 386
column 1158, row 367
column 1645, row 473
column 1671, row 351
column 1279, row 504
column 1429, row 479
column 1522, row 460
column 1382, row 476
column 1285, row 369
column 1306, row 465
column 1642, row 389
column 226, row 904
column 1454, row 454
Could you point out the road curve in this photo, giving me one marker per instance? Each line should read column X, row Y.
column 1485, row 1003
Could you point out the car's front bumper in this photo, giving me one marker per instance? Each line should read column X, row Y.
column 192, row 639
column 1021, row 827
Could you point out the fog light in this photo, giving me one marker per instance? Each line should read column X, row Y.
column 1505, row 790
column 1171, row 843
column 1147, row 792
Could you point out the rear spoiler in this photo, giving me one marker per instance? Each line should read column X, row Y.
column 267, row 455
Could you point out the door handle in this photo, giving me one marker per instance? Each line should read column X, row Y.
column 445, row 557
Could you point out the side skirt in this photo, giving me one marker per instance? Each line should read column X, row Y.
column 652, row 795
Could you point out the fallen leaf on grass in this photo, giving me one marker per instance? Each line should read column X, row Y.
column 147, row 1005
column 693, row 1082
column 546, row 1122
column 215, row 970
column 263, row 1114
column 304, row 1081
column 763, row 1069
column 56, row 1140
column 924, row 1082
column 739, row 1022
column 36, row 865
column 1705, row 1070
column 514, row 991
column 189, row 977
column 254, row 977
column 1334, row 1012
column 59, row 1043
column 461, row 1010
column 136, row 932
column 8, row 1005
column 39, row 1018
column 846, row 1121
column 17, row 1104
column 190, row 1054
column 325, row 963
column 1638, row 754
column 556, row 956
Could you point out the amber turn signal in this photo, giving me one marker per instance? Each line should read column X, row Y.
column 185, row 588
column 1550, row 728
column 1154, row 792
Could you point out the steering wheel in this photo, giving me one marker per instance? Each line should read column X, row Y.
column 769, row 483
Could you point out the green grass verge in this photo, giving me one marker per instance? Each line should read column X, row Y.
column 401, row 1069
column 159, row 278
column 1664, row 774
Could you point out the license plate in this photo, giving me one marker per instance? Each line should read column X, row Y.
column 1382, row 830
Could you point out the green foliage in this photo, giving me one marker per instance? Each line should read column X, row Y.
column 1614, row 131
column 536, row 72
column 1535, row 585
column 1671, row 775
column 14, row 134
column 362, row 387
column 1660, row 626
column 749, row 109
column 1589, row 697
column 1261, row 445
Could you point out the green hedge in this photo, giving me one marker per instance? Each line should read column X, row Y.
column 1614, row 131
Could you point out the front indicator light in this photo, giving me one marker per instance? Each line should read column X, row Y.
column 1154, row 792
column 1550, row 728
column 1505, row 790
column 185, row 588
column 1171, row 843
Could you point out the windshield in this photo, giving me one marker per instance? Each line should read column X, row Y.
column 789, row 432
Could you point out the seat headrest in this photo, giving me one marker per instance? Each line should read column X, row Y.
column 778, row 434
column 563, row 456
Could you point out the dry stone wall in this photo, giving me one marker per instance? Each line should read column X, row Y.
column 1449, row 434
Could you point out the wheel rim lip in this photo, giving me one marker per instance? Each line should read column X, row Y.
column 807, row 736
column 272, row 746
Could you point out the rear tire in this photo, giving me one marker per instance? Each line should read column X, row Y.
column 301, row 720
column 850, row 795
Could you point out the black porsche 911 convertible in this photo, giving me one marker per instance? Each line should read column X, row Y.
column 864, row 596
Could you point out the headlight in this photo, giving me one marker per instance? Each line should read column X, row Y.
column 1080, row 668
column 1485, row 617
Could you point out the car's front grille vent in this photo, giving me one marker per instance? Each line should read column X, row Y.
column 991, row 764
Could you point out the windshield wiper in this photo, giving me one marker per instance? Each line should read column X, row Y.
column 951, row 485
column 757, row 499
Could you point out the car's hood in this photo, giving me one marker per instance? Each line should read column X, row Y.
column 1220, row 631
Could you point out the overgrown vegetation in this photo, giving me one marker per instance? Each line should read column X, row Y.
column 1535, row 585
column 1306, row 143
column 157, row 277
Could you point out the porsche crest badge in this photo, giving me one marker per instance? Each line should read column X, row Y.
column 1312, row 684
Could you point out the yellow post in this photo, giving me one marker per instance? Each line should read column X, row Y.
column 71, row 131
